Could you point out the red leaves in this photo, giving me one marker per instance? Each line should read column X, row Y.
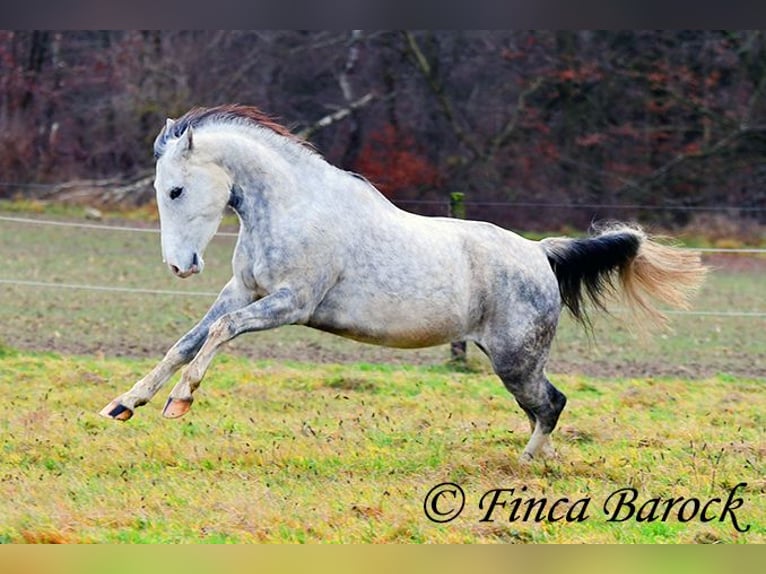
column 579, row 73
column 692, row 148
column 390, row 158
column 590, row 140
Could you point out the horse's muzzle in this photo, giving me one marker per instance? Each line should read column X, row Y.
column 196, row 267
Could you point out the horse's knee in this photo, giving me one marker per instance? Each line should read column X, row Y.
column 180, row 354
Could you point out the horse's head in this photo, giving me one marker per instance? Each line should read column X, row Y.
column 192, row 192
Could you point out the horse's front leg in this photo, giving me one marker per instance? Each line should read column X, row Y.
column 233, row 296
column 280, row 308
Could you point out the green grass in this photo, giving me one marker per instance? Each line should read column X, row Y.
column 299, row 436
column 301, row 452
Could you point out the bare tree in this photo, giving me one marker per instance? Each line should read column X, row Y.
column 574, row 117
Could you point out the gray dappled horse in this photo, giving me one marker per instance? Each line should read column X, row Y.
column 321, row 247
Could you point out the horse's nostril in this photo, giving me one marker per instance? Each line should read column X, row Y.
column 175, row 269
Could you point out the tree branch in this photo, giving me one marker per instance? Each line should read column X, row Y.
column 662, row 171
column 422, row 64
column 348, row 69
column 338, row 115
column 107, row 190
column 505, row 134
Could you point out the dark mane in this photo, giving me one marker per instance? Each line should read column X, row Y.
column 225, row 113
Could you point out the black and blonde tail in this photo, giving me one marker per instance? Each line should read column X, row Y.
column 623, row 256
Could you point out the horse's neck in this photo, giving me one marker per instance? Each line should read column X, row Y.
column 256, row 162
column 279, row 177
column 250, row 156
column 269, row 177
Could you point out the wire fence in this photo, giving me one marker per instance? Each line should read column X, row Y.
column 107, row 288
column 98, row 226
column 750, row 209
column 107, row 227
column 210, row 294
column 600, row 206
column 155, row 230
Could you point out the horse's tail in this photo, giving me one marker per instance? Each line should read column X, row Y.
column 621, row 255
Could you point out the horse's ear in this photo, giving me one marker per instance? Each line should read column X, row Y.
column 185, row 142
column 169, row 124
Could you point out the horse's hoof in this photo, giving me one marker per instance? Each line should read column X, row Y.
column 175, row 408
column 550, row 453
column 526, row 458
column 117, row 411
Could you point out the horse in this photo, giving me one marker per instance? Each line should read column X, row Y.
column 322, row 247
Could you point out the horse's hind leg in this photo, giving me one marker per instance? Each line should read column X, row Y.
column 543, row 403
column 520, row 362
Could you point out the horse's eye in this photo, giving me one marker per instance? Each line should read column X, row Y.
column 176, row 192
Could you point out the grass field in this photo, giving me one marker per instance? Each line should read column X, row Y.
column 299, row 436
column 296, row 452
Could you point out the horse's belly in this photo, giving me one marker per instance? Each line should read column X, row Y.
column 409, row 339
column 389, row 325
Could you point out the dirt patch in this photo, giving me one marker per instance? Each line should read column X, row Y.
column 351, row 353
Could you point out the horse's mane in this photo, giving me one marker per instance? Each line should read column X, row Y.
column 232, row 113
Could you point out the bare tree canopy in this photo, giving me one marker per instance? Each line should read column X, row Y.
column 644, row 118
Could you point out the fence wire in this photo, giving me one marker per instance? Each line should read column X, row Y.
column 107, row 227
column 140, row 291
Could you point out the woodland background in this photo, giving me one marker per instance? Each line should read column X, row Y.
column 539, row 129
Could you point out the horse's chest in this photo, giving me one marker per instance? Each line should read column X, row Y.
column 248, row 267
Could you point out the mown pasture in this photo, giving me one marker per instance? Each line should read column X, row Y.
column 301, row 436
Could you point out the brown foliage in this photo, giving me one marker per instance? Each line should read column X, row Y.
column 654, row 118
column 391, row 160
